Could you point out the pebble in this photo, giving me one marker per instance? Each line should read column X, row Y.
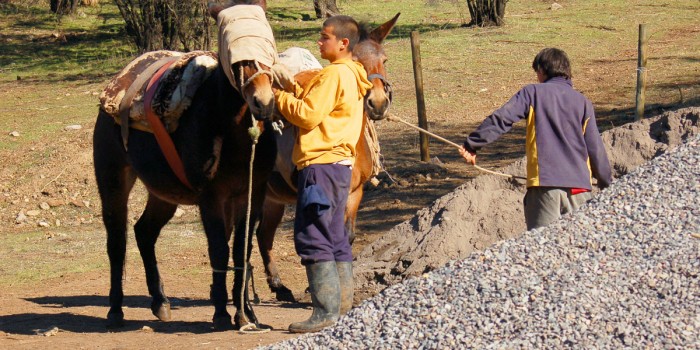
column 623, row 272
column 20, row 218
column 50, row 332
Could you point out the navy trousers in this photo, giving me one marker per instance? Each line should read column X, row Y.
column 319, row 225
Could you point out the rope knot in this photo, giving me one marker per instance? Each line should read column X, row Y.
column 254, row 133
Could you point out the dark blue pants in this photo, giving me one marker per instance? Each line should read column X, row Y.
column 319, row 225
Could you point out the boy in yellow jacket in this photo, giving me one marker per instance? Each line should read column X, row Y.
column 328, row 113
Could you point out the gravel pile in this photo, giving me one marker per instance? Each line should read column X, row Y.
column 620, row 273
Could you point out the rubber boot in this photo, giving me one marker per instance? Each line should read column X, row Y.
column 347, row 287
column 324, row 288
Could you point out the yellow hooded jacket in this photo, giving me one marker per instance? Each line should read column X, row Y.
column 328, row 113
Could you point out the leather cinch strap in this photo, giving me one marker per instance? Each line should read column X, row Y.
column 125, row 105
column 162, row 137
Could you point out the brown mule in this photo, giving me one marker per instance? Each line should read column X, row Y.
column 213, row 142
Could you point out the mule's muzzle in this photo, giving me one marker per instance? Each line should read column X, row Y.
column 261, row 98
column 378, row 100
column 263, row 109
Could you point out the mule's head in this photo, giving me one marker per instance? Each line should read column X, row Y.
column 370, row 53
column 247, row 50
column 254, row 81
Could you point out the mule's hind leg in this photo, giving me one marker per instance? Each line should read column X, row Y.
column 271, row 218
column 147, row 230
column 351, row 209
column 114, row 216
column 115, row 179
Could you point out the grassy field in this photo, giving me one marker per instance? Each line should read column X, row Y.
column 51, row 72
column 51, row 69
column 462, row 66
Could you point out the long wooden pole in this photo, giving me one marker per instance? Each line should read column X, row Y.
column 420, row 98
column 641, row 72
column 392, row 117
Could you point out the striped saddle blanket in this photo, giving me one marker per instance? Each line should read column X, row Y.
column 173, row 95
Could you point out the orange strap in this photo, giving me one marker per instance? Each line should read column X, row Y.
column 162, row 137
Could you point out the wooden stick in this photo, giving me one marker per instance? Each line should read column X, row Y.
column 641, row 73
column 420, row 99
column 392, row 117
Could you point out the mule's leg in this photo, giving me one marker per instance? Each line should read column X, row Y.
column 244, row 313
column 115, row 179
column 245, row 316
column 213, row 219
column 147, row 230
column 353, row 206
column 271, row 218
column 114, row 216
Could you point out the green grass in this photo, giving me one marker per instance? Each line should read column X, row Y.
column 59, row 252
column 457, row 61
column 38, row 46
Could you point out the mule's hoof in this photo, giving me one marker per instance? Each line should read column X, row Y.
column 283, row 293
column 115, row 320
column 162, row 312
column 222, row 323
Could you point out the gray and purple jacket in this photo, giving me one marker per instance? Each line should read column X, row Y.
column 563, row 145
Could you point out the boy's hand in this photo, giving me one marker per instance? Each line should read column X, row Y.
column 468, row 156
column 281, row 77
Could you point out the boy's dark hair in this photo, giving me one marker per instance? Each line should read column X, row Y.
column 344, row 27
column 553, row 63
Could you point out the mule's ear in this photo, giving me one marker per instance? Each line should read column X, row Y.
column 214, row 9
column 381, row 32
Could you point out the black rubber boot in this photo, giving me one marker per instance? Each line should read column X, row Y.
column 324, row 287
column 347, row 287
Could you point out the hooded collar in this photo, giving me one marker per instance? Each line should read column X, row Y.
column 363, row 84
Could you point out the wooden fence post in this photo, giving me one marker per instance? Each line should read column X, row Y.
column 420, row 99
column 641, row 72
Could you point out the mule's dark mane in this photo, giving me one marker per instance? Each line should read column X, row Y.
column 363, row 31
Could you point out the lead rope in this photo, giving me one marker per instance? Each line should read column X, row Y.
column 392, row 117
column 254, row 133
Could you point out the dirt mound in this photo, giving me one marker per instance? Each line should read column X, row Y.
column 488, row 208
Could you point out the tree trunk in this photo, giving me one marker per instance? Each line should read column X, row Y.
column 167, row 24
column 63, row 7
column 325, row 8
column 486, row 13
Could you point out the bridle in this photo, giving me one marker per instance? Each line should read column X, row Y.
column 243, row 83
column 387, row 86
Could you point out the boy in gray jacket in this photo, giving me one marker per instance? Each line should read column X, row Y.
column 563, row 145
